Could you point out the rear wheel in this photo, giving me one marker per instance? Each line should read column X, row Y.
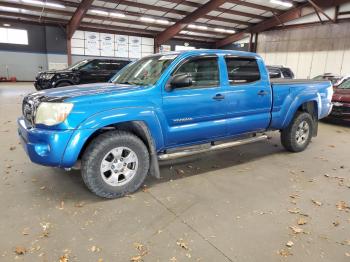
column 297, row 136
column 115, row 164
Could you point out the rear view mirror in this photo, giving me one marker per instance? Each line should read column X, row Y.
column 181, row 80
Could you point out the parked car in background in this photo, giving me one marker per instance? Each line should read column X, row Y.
column 335, row 79
column 166, row 106
column 83, row 72
column 341, row 101
column 280, row 72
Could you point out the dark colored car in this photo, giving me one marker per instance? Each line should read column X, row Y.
column 280, row 72
column 83, row 72
column 341, row 101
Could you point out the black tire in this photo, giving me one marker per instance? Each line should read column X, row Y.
column 95, row 153
column 62, row 84
column 289, row 134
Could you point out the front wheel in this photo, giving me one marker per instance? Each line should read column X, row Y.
column 297, row 136
column 115, row 164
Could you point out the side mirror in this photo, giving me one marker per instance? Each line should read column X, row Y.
column 181, row 80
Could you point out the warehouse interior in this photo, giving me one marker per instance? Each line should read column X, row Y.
column 253, row 202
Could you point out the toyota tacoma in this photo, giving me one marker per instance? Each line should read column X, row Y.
column 166, row 106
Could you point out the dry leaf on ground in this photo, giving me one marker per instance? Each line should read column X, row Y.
column 19, row 250
column 181, row 243
column 64, row 258
column 294, row 210
column 290, row 244
column 317, row 203
column 302, row 221
column 341, row 205
column 296, row 230
column 284, row 253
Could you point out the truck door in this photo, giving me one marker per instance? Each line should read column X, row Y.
column 195, row 113
column 249, row 95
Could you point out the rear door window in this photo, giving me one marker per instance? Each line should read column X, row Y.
column 242, row 70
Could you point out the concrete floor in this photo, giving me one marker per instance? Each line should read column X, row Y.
column 225, row 206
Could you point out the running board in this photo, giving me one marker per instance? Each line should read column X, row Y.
column 189, row 152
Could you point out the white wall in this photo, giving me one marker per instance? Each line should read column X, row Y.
column 308, row 51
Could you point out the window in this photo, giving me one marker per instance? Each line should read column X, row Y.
column 113, row 65
column 13, row 36
column 144, row 72
column 203, row 70
column 242, row 70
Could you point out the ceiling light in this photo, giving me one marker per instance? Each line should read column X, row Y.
column 230, row 31
column 147, row 19
column 10, row 9
column 219, row 30
column 7, row 25
column 100, row 12
column 36, row 2
column 201, row 27
column 55, row 5
column 117, row 14
column 281, row 2
column 162, row 21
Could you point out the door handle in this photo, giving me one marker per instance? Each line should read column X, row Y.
column 219, row 97
column 263, row 93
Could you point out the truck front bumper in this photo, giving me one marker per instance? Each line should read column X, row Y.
column 44, row 147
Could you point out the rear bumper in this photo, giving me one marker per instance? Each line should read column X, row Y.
column 44, row 147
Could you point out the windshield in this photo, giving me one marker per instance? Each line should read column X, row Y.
column 145, row 71
column 78, row 65
column 345, row 84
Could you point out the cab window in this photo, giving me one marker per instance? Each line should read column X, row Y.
column 204, row 71
column 242, row 70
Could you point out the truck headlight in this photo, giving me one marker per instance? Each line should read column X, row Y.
column 48, row 76
column 52, row 113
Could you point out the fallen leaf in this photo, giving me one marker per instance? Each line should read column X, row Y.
column 64, row 258
column 173, row 259
column 136, row 258
column 284, row 252
column 25, row 231
column 347, row 254
column 336, row 223
column 95, row 249
column 100, row 260
column 296, row 230
column 80, row 204
column 181, row 243
column 12, row 148
column 346, row 242
column 318, row 203
column 289, row 244
column 341, row 205
column 302, row 221
column 20, row 250
column 332, row 146
column 42, row 188
column 294, row 210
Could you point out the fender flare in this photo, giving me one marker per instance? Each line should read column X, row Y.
column 145, row 124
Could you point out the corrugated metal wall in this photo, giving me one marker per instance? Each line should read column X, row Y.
column 308, row 51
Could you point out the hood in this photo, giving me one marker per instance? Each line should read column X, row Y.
column 341, row 95
column 87, row 90
column 64, row 71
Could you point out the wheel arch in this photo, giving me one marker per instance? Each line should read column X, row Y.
column 138, row 128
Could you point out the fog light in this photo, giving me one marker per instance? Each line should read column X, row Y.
column 42, row 150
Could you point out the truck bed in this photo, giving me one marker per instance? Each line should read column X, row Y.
column 278, row 81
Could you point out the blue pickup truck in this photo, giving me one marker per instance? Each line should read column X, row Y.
column 166, row 106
